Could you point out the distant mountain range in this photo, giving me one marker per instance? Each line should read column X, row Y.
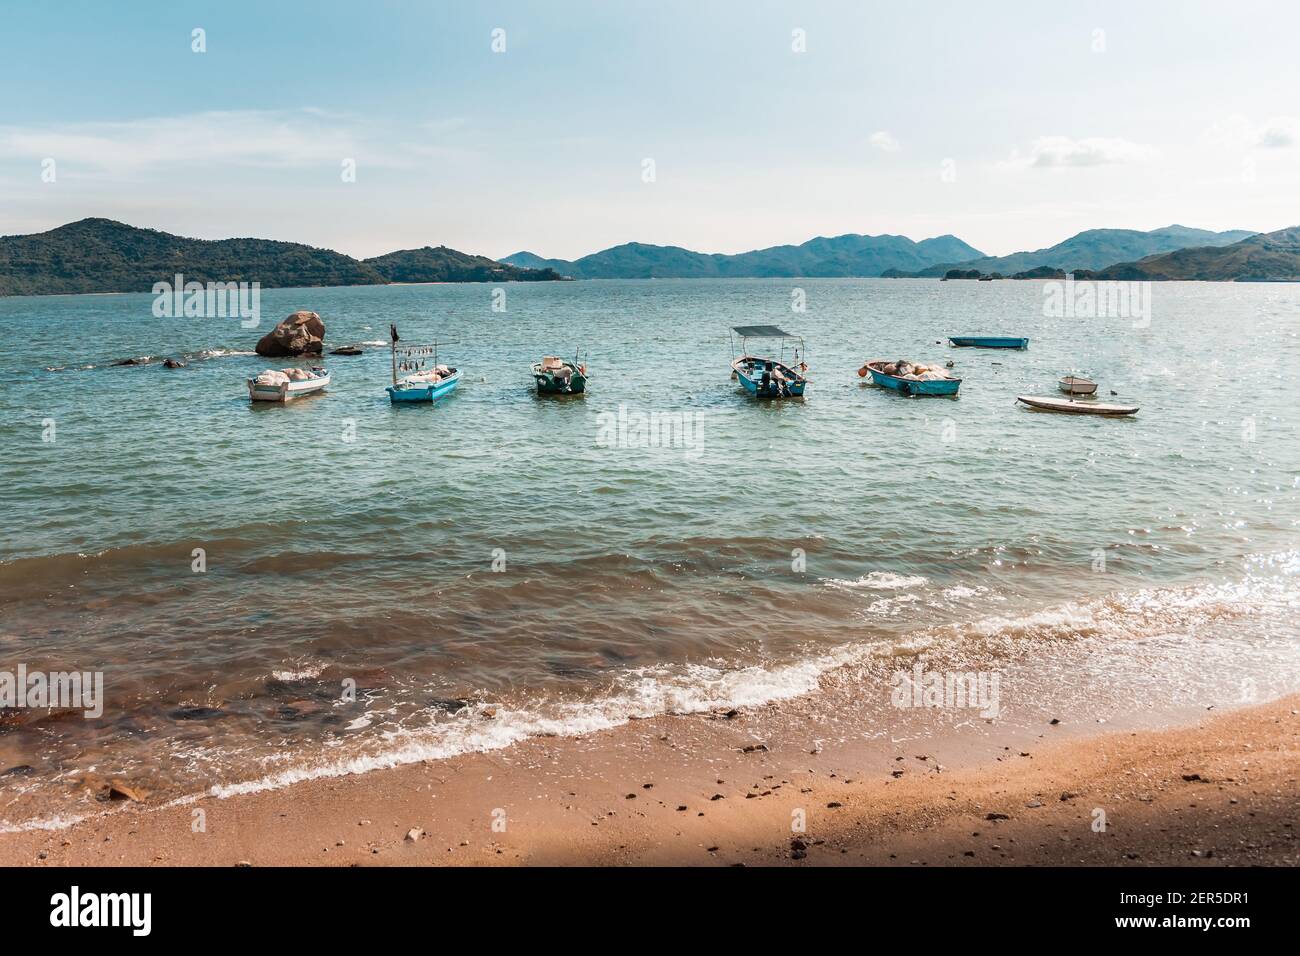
column 1094, row 249
column 1267, row 257
column 100, row 255
column 850, row 255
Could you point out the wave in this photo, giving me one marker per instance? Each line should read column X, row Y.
column 881, row 581
column 697, row 688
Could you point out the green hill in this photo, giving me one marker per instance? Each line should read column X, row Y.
column 1268, row 257
column 100, row 255
column 440, row 264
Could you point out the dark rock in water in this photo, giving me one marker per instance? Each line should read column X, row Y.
column 22, row 770
column 450, row 705
column 302, row 333
column 348, row 350
column 173, row 363
column 128, row 361
column 196, row 713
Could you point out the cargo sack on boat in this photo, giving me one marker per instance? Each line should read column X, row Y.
column 272, row 377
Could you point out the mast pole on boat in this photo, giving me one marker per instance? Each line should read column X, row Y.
column 392, row 348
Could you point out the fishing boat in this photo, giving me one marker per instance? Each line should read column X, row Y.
column 425, row 380
column 283, row 385
column 769, row 376
column 557, row 376
column 1074, row 385
column 988, row 342
column 1069, row 406
column 910, row 382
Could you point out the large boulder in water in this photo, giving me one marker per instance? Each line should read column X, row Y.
column 302, row 333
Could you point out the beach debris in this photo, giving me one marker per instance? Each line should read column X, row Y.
column 816, row 747
column 117, row 790
column 996, row 816
column 1191, row 777
column 896, row 773
column 717, row 796
column 754, row 748
column 243, row 864
column 834, row 805
column 302, row 333
column 798, row 849
column 413, row 834
column 681, row 808
column 1054, row 721
column 1033, row 804
column 1067, row 795
column 631, row 796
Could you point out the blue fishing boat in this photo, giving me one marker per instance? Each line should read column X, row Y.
column 769, row 376
column 909, row 379
column 988, row 341
column 426, row 380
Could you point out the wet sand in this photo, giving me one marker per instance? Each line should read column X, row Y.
column 1217, row 789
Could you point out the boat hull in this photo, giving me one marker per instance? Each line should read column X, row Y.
column 549, row 384
column 1047, row 403
column 1077, row 386
column 754, row 386
column 905, row 386
column 407, row 392
column 286, row 391
column 988, row 342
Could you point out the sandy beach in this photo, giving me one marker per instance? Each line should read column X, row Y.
column 727, row 790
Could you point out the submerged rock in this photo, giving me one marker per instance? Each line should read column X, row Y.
column 302, row 333
column 348, row 350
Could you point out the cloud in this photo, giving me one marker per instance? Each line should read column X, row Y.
column 1238, row 132
column 1054, row 152
column 884, row 140
column 1277, row 133
column 249, row 138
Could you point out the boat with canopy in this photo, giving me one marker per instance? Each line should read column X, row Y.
column 773, row 375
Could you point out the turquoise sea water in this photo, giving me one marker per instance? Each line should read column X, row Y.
column 500, row 565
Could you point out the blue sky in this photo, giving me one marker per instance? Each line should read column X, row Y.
column 1011, row 125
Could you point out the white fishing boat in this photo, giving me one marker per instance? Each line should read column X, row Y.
column 284, row 384
column 1077, row 385
column 1048, row 403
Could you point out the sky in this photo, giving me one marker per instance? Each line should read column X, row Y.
column 564, row 127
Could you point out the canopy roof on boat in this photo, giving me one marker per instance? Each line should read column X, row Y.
column 762, row 332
